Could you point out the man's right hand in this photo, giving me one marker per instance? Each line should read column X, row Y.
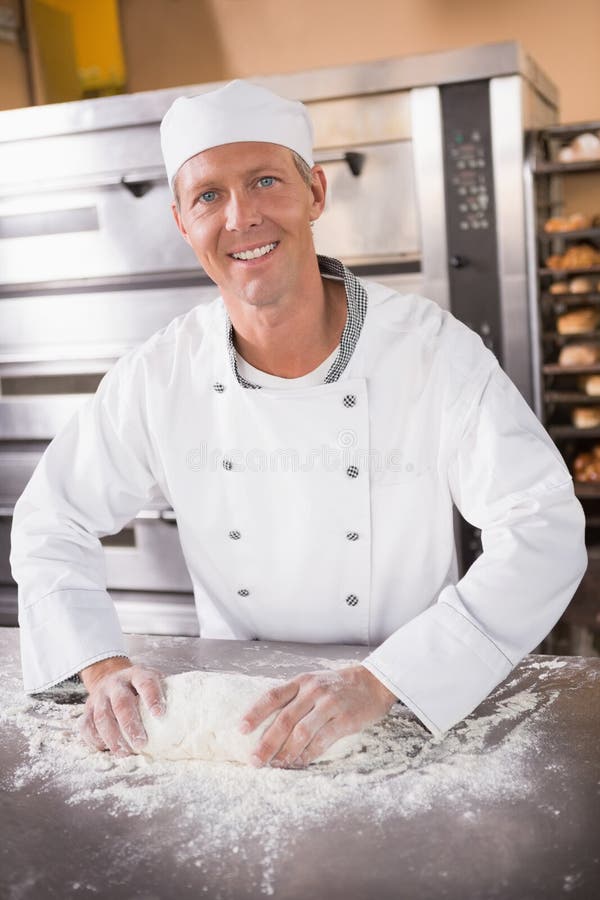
column 112, row 720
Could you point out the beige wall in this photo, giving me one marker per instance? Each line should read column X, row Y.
column 173, row 42
column 14, row 90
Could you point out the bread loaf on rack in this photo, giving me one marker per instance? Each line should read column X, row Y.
column 589, row 384
column 578, row 321
column 579, row 355
column 586, row 466
column 579, row 256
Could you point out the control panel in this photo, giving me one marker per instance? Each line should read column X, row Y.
column 470, row 214
column 474, row 287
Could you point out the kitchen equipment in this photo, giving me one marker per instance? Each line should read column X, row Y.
column 424, row 158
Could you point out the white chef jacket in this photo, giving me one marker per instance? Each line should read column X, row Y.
column 317, row 514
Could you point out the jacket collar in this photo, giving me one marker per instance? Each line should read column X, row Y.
column 356, row 303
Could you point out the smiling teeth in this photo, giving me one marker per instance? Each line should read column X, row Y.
column 254, row 254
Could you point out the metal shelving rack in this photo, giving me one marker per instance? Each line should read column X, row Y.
column 558, row 391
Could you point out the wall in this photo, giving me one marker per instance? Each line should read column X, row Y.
column 173, row 42
column 14, row 89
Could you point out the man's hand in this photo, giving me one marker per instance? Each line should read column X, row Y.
column 315, row 710
column 112, row 720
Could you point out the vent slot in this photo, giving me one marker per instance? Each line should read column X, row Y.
column 28, row 385
column 55, row 221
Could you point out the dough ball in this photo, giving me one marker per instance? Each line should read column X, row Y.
column 204, row 710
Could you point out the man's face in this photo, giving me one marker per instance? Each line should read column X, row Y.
column 245, row 197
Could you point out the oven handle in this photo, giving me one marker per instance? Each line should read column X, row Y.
column 355, row 161
column 139, row 182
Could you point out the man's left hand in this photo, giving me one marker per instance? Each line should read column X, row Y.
column 315, row 710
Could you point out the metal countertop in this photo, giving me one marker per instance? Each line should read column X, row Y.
column 541, row 844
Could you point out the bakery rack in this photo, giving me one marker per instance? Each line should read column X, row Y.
column 558, row 390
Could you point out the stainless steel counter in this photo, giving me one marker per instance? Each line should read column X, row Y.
column 541, row 842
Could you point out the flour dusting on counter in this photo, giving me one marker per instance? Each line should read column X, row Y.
column 216, row 811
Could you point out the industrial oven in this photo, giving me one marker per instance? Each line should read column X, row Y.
column 424, row 157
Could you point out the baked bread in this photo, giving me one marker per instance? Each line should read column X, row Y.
column 581, row 285
column 586, row 466
column 584, row 147
column 579, row 256
column 574, row 222
column 578, row 321
column 579, row 355
column 590, row 385
column 559, row 287
column 585, row 416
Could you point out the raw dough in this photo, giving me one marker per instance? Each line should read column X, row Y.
column 204, row 710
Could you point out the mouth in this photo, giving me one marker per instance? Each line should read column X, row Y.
column 254, row 254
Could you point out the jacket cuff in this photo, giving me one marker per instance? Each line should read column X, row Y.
column 440, row 665
column 64, row 632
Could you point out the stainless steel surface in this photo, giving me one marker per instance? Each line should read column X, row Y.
column 135, row 110
column 112, row 249
column 506, row 110
column 79, row 326
column 537, row 846
column 353, row 227
column 429, row 181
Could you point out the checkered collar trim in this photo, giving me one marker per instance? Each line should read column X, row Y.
column 356, row 303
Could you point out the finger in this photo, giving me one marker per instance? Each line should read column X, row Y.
column 322, row 741
column 108, row 728
column 149, row 686
column 301, row 735
column 273, row 700
column 89, row 733
column 274, row 738
column 125, row 705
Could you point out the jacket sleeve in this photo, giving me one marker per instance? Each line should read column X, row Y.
column 93, row 478
column 508, row 479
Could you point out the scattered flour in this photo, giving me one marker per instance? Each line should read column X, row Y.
column 223, row 808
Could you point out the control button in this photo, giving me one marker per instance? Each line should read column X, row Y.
column 352, row 472
column 235, row 535
column 218, row 387
column 350, row 400
column 244, row 592
column 458, row 262
column 352, row 535
column 352, row 600
column 227, row 465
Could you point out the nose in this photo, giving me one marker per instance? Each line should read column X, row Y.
column 242, row 211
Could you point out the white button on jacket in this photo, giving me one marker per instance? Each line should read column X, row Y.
column 434, row 422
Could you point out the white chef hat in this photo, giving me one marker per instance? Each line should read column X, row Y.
column 240, row 111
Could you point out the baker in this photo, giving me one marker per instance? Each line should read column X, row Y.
column 312, row 432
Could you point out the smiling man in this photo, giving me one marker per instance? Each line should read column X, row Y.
column 344, row 422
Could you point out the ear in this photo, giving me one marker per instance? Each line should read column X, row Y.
column 179, row 222
column 318, row 191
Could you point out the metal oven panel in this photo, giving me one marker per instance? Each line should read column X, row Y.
column 149, row 558
column 102, row 232
column 85, row 325
column 371, row 216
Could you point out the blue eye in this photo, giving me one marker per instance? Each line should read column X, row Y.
column 268, row 179
column 208, row 196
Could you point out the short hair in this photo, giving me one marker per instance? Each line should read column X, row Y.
column 302, row 167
